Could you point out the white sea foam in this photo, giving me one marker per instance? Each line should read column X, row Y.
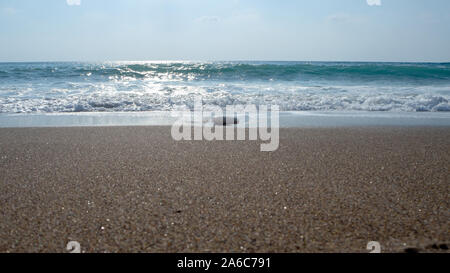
column 125, row 97
column 137, row 87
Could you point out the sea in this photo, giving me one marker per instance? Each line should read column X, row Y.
column 142, row 93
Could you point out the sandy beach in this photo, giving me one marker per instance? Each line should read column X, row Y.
column 134, row 189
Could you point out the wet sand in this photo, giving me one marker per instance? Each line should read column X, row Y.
column 134, row 189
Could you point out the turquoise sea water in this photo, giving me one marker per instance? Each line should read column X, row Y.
column 41, row 88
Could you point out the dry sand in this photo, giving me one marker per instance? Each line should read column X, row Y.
column 134, row 189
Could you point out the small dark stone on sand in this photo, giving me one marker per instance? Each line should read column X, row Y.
column 178, row 211
column 443, row 246
column 225, row 121
column 434, row 246
column 438, row 247
column 411, row 250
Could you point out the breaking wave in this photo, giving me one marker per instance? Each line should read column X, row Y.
column 294, row 86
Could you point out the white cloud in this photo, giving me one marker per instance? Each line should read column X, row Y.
column 73, row 2
column 9, row 11
column 374, row 2
column 208, row 19
column 339, row 18
column 342, row 18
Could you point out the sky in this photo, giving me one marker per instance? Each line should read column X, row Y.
column 278, row 30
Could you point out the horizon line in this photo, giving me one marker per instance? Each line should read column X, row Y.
column 212, row 61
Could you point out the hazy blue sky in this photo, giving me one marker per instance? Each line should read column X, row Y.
column 353, row 30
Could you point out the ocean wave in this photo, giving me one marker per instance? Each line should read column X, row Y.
column 154, row 86
column 231, row 71
column 132, row 102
